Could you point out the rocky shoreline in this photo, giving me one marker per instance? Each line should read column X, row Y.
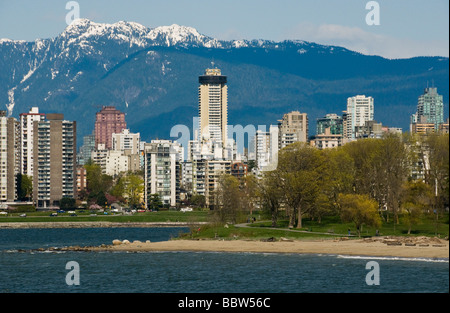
column 423, row 247
column 16, row 225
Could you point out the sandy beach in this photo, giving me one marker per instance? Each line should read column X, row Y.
column 409, row 247
column 422, row 247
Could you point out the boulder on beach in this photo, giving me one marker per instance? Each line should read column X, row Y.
column 125, row 242
column 116, row 242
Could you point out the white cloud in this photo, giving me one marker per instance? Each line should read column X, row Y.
column 357, row 39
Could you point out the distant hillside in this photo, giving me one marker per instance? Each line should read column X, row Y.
column 152, row 75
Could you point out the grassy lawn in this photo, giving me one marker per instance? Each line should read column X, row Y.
column 333, row 224
column 160, row 216
column 261, row 229
column 231, row 232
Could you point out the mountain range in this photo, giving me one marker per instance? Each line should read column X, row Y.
column 151, row 74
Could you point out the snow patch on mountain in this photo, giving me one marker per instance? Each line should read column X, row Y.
column 11, row 104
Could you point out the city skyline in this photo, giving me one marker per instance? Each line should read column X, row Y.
column 362, row 115
column 117, row 150
column 224, row 147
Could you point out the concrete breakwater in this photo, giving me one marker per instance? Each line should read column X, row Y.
column 106, row 224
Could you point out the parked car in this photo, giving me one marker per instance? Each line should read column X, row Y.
column 54, row 214
column 23, row 215
column 186, row 209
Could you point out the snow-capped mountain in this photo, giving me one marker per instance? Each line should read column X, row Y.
column 103, row 46
column 81, row 31
column 152, row 74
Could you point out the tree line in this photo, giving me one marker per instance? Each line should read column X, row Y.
column 104, row 189
column 365, row 182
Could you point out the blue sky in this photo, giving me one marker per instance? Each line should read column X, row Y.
column 407, row 27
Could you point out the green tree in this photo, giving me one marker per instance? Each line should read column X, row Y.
column 338, row 177
column 198, row 201
column 24, row 187
column 154, row 202
column 270, row 194
column 381, row 166
column 251, row 164
column 301, row 176
column 96, row 181
column 118, row 189
column 437, row 151
column 134, row 187
column 359, row 209
column 248, row 186
column 67, row 203
column 362, row 153
column 416, row 197
column 228, row 204
column 101, row 199
column 340, row 173
column 392, row 166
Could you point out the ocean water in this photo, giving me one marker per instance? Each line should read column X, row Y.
column 24, row 270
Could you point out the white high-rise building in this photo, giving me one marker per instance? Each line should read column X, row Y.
column 26, row 139
column 273, row 149
column 117, row 162
column 126, row 141
column 98, row 156
column 162, row 172
column 359, row 111
column 213, row 106
column 9, row 160
column 262, row 148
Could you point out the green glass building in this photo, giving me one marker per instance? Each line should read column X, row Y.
column 430, row 108
column 332, row 121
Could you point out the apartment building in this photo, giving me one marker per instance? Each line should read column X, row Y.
column 26, row 139
column 54, row 160
column 9, row 157
column 162, row 171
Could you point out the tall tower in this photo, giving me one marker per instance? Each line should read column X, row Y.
column 292, row 128
column 213, row 106
column 162, row 171
column 359, row 110
column 26, row 139
column 430, row 108
column 54, row 157
column 9, row 157
column 107, row 122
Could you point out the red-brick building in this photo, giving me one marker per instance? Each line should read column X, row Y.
column 108, row 121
